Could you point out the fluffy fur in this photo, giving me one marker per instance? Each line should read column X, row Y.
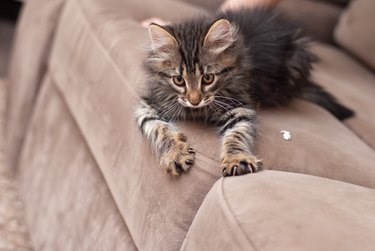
column 218, row 69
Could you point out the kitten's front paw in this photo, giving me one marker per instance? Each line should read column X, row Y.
column 180, row 156
column 239, row 164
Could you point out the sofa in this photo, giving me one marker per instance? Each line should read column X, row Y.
column 89, row 180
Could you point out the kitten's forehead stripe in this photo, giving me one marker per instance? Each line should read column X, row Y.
column 201, row 69
column 189, row 39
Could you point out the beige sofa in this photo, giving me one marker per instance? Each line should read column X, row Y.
column 90, row 182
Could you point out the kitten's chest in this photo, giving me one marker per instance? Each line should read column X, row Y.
column 204, row 114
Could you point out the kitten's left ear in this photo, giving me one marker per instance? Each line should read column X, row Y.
column 220, row 36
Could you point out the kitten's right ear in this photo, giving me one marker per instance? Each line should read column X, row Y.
column 161, row 38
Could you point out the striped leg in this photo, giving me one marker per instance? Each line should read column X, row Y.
column 169, row 145
column 238, row 130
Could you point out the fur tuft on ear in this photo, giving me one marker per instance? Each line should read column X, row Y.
column 160, row 38
column 220, row 36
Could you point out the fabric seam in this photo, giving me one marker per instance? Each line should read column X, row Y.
column 66, row 103
column 229, row 213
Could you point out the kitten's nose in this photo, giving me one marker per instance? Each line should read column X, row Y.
column 195, row 97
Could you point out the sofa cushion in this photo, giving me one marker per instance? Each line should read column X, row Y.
column 340, row 2
column 318, row 18
column 209, row 4
column 352, row 84
column 355, row 30
column 284, row 211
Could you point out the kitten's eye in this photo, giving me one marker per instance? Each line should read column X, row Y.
column 208, row 79
column 178, row 80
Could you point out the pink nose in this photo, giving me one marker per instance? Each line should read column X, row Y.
column 195, row 97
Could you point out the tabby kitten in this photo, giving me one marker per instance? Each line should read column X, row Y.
column 218, row 69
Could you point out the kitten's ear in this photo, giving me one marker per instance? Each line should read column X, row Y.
column 161, row 38
column 220, row 36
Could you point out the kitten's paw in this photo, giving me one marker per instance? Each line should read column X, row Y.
column 239, row 164
column 180, row 156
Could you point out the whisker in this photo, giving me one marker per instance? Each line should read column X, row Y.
column 221, row 106
column 232, row 100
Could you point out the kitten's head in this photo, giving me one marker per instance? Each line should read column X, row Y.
column 194, row 61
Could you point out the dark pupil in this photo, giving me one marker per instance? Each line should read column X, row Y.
column 179, row 79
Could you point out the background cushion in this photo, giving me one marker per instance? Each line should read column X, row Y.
column 355, row 30
column 339, row 2
column 13, row 230
column 37, row 26
column 318, row 18
column 352, row 84
column 209, row 4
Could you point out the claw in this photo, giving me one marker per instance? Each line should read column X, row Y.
column 234, row 173
column 224, row 172
column 168, row 170
column 191, row 150
column 252, row 168
column 189, row 162
column 178, row 167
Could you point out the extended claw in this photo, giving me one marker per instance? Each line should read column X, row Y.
column 191, row 150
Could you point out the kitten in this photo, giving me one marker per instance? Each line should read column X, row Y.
column 218, row 69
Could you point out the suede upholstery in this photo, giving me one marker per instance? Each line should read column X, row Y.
column 338, row 2
column 288, row 211
column 26, row 73
column 90, row 181
column 351, row 83
column 358, row 22
column 317, row 17
column 75, row 207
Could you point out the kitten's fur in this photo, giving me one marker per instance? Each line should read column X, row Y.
column 256, row 58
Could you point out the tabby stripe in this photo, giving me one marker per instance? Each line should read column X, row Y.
column 232, row 122
column 225, row 70
column 147, row 119
column 224, row 119
column 234, row 149
column 163, row 74
column 184, row 60
column 238, row 137
column 201, row 69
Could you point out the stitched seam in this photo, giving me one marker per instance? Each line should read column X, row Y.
column 100, row 45
column 229, row 214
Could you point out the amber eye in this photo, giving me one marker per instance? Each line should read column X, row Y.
column 178, row 80
column 208, row 79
